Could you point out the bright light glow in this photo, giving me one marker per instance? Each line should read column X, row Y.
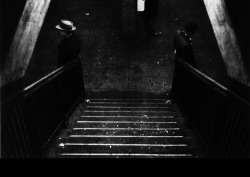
column 25, row 38
column 140, row 5
column 61, row 145
column 226, row 39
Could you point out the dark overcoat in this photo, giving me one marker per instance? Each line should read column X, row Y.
column 183, row 47
column 69, row 49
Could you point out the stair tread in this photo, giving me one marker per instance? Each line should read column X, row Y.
column 128, row 139
column 126, row 128
column 126, row 104
column 127, row 113
column 129, row 119
column 122, row 108
column 125, row 132
column 125, row 148
column 123, row 155
column 127, row 116
column 126, row 99
column 130, row 94
column 120, row 124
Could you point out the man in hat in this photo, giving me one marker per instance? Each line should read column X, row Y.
column 70, row 46
column 183, row 43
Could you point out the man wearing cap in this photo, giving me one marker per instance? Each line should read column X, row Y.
column 183, row 43
column 70, row 46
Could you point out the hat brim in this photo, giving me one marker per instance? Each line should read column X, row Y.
column 58, row 27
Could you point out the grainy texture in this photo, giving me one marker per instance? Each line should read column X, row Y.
column 112, row 63
column 227, row 41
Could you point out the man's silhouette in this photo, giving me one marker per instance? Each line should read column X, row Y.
column 183, row 43
column 70, row 46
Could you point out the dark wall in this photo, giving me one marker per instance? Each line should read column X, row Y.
column 11, row 11
column 239, row 12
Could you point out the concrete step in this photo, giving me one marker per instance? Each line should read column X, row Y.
column 142, row 101
column 125, row 95
column 126, row 108
column 127, row 104
column 180, row 148
column 124, row 124
column 145, row 132
column 120, row 139
column 127, row 113
column 128, row 118
column 123, row 155
column 122, row 128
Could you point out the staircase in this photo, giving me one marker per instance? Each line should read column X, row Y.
column 128, row 128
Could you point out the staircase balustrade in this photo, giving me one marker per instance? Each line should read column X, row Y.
column 32, row 116
column 220, row 116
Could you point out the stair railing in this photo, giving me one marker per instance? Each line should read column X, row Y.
column 31, row 117
column 220, row 116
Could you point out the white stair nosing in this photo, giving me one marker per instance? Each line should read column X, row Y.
column 119, row 116
column 125, row 122
column 127, row 99
column 113, row 144
column 141, row 103
column 131, row 111
column 124, row 107
column 126, row 154
column 122, row 136
column 167, row 129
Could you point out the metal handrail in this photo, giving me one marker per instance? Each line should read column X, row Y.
column 203, row 77
column 41, row 81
